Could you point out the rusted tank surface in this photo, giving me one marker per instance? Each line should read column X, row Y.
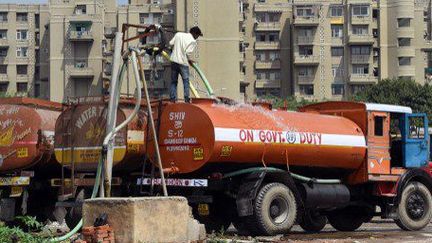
column 80, row 131
column 203, row 133
column 26, row 132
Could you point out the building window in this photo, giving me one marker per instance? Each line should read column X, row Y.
column 404, row 22
column 337, row 30
column 360, row 50
column 355, row 88
column 360, row 69
column 305, row 72
column 336, row 11
column 273, row 37
column 404, row 61
column 3, row 52
column 360, row 30
column 305, row 32
column 22, row 69
column 3, row 17
column 360, row 10
column 337, row 51
column 305, row 11
column 21, row 87
column 305, row 51
column 375, row 33
column 404, row 42
column 21, row 35
column 3, row 69
column 3, row 34
column 337, row 71
column 21, row 17
column 267, row 17
column 375, row 13
column 338, row 89
column 306, row 89
column 37, row 90
column 21, row 51
column 37, row 21
column 4, row 87
column 80, row 9
column 260, row 37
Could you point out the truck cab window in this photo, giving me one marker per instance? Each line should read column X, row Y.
column 379, row 126
column 416, row 128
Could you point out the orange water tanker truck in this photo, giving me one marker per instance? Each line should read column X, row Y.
column 264, row 170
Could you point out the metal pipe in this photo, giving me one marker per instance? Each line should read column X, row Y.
column 112, row 111
column 152, row 125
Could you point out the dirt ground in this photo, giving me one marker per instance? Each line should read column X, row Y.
column 378, row 230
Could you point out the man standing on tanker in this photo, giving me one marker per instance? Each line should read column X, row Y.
column 183, row 46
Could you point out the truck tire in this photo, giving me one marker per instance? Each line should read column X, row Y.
column 275, row 209
column 415, row 208
column 312, row 222
column 346, row 219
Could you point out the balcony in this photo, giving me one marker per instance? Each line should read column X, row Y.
column 4, row 42
column 360, row 59
column 427, row 46
column 306, row 60
column 271, row 26
column 4, row 77
column 363, row 20
column 337, row 41
column 406, row 71
column 305, row 79
column 168, row 19
column 361, row 39
column 22, row 60
column 4, row 59
column 362, row 78
column 81, row 36
column 110, row 32
column 22, row 78
column 406, row 32
column 267, row 45
column 406, row 52
column 81, row 70
column 306, row 21
column 275, row 8
column 267, row 64
column 267, row 84
column 305, row 40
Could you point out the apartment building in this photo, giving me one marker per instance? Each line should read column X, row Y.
column 265, row 45
column 23, row 56
column 335, row 48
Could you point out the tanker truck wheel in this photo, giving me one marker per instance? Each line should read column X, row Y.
column 275, row 209
column 312, row 221
column 415, row 208
column 348, row 219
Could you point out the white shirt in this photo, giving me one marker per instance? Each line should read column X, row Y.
column 184, row 45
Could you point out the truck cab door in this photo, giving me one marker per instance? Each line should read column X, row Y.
column 415, row 140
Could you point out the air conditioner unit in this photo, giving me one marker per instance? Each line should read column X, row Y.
column 156, row 2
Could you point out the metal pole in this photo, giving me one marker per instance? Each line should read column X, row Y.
column 112, row 111
column 152, row 125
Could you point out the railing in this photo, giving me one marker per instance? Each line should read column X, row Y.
column 268, row 26
column 305, row 40
column 81, row 35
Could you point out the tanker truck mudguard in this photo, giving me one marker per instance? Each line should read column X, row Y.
column 263, row 170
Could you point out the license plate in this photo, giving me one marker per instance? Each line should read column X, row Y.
column 174, row 182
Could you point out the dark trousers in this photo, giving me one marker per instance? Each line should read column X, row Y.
column 183, row 70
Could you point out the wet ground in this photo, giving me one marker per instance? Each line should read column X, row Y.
column 378, row 230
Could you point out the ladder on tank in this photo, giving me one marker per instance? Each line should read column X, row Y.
column 67, row 191
column 149, row 168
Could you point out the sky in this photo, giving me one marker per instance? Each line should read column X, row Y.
column 43, row 1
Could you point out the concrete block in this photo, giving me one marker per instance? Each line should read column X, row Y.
column 145, row 219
